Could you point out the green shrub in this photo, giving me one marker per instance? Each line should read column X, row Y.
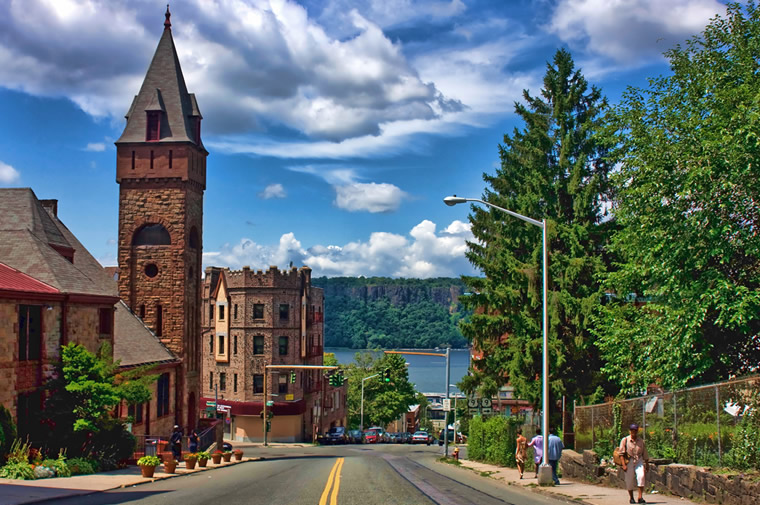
column 149, row 461
column 7, row 432
column 81, row 466
column 493, row 440
column 17, row 470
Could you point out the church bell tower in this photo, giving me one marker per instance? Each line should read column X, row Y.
column 161, row 172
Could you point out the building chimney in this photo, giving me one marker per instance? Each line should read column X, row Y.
column 51, row 206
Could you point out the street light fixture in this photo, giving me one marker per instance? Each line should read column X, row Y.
column 545, row 473
column 455, row 411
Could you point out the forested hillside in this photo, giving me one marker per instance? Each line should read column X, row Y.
column 380, row 312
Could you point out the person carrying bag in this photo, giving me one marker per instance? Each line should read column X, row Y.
column 634, row 459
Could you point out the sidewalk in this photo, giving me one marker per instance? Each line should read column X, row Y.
column 576, row 491
column 16, row 492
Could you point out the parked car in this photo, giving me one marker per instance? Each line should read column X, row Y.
column 371, row 437
column 336, row 435
column 397, row 438
column 382, row 435
column 355, row 436
column 406, row 438
column 421, row 437
column 460, row 438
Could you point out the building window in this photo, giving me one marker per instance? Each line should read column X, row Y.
column 283, row 346
column 211, row 381
column 29, row 332
column 106, row 317
column 211, row 312
column 220, row 348
column 236, row 311
column 282, row 384
column 170, row 158
column 142, row 311
column 135, row 411
column 234, row 342
column 258, row 344
column 258, row 384
column 222, row 381
column 234, row 383
column 221, row 312
column 284, row 312
column 154, row 126
column 211, row 345
column 162, row 395
column 159, row 320
column 152, row 234
column 151, row 160
column 133, row 160
column 258, row 311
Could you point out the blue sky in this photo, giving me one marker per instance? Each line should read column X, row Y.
column 335, row 127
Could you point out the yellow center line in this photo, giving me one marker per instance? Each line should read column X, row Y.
column 326, row 492
column 334, row 497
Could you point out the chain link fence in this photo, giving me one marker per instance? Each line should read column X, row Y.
column 696, row 426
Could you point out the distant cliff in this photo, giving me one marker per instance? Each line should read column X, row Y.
column 382, row 312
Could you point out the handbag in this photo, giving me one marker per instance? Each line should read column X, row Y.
column 620, row 458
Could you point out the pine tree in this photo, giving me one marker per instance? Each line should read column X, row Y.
column 555, row 169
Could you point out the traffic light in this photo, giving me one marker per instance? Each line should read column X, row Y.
column 339, row 379
column 292, row 377
column 387, row 375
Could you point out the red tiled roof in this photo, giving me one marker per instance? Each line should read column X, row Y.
column 13, row 280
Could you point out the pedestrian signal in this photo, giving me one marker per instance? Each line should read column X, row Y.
column 387, row 375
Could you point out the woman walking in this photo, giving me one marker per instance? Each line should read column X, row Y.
column 635, row 464
column 521, row 453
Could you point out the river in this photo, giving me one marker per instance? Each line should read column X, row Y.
column 428, row 373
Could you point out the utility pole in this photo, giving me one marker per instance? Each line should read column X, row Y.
column 361, row 423
column 446, row 415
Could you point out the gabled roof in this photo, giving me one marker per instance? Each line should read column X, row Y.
column 29, row 236
column 222, row 280
column 163, row 89
column 13, row 280
column 134, row 343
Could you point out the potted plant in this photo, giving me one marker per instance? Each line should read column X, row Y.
column 190, row 460
column 148, row 465
column 238, row 454
column 217, row 457
column 170, row 465
column 227, row 455
column 202, row 459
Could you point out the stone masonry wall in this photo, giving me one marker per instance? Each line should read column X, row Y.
column 681, row 480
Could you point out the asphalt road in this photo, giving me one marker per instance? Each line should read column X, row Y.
column 342, row 475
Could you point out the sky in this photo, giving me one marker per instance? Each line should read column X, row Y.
column 335, row 127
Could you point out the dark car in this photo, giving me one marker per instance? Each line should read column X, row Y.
column 336, row 435
column 397, row 438
column 354, row 436
column 407, row 437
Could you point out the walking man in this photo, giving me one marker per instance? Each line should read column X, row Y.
column 537, row 443
column 555, row 452
column 637, row 464
column 176, row 442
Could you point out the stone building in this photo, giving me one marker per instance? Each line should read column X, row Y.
column 52, row 292
column 161, row 172
column 252, row 319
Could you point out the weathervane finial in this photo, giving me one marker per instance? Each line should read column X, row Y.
column 167, row 23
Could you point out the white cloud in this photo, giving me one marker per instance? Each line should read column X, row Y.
column 273, row 191
column 96, row 147
column 423, row 253
column 8, row 174
column 630, row 32
column 372, row 197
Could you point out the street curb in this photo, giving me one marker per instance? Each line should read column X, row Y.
column 134, row 484
column 543, row 490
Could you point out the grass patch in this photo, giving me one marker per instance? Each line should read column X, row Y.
column 487, row 473
column 451, row 461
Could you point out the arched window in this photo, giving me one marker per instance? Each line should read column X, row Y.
column 194, row 238
column 152, row 234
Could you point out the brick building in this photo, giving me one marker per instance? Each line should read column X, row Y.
column 52, row 292
column 161, row 172
column 252, row 319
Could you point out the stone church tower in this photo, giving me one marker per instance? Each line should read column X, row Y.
column 161, row 172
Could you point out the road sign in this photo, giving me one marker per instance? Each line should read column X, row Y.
column 289, row 397
column 485, row 403
column 487, row 410
column 472, row 403
column 474, row 412
column 210, row 404
column 447, row 404
column 270, row 403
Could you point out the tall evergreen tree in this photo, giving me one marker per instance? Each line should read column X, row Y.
column 555, row 169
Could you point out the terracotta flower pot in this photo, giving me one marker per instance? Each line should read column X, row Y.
column 170, row 466
column 202, row 462
column 147, row 471
column 217, row 458
column 190, row 463
column 227, row 456
column 238, row 456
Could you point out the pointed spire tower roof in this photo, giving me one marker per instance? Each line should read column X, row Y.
column 164, row 90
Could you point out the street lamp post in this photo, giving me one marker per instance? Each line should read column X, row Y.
column 545, row 472
column 361, row 422
column 455, row 411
